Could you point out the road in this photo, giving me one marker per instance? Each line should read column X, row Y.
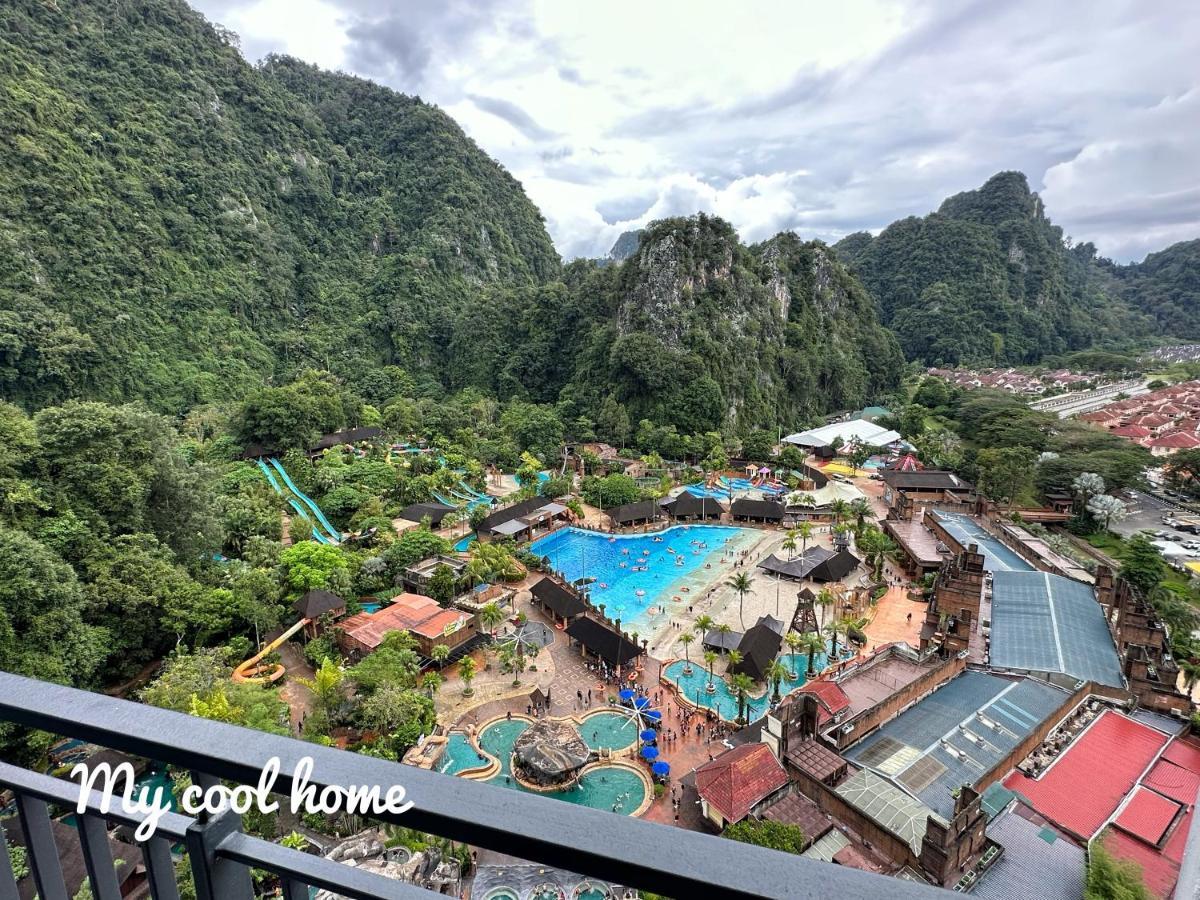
column 1073, row 404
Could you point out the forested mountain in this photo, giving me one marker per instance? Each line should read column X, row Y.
column 1166, row 285
column 180, row 226
column 989, row 278
column 696, row 330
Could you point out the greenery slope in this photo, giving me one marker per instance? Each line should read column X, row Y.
column 179, row 226
column 988, row 278
column 1166, row 285
column 699, row 332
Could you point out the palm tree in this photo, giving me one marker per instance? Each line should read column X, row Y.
column 723, row 630
column 326, row 685
column 490, row 616
column 742, row 685
column 741, row 583
column 805, row 530
column 466, row 671
column 860, row 509
column 709, row 659
column 794, row 642
column 440, row 654
column 431, row 682
column 825, row 599
column 775, row 673
column 833, row 629
column 686, row 639
column 840, row 508
column 813, row 644
column 735, row 658
column 703, row 625
column 789, row 543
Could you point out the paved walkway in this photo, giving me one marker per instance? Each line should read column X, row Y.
column 897, row 618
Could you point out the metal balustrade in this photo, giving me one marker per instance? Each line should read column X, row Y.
column 648, row 856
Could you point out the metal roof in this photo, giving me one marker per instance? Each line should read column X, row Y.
column 900, row 813
column 1048, row 623
column 996, row 556
column 1037, row 862
column 956, row 734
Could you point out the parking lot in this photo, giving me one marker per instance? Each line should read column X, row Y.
column 1146, row 513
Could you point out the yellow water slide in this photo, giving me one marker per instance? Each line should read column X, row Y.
column 252, row 671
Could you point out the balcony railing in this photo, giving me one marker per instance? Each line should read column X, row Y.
column 658, row 858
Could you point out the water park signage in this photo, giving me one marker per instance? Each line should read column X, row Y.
column 305, row 797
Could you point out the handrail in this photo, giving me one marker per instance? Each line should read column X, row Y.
column 604, row 845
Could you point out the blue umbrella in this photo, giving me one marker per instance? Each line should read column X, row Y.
column 661, row 768
column 653, row 715
column 626, row 695
column 649, row 752
column 649, row 735
column 641, row 702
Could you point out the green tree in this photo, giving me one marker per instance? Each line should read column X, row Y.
column 765, row 833
column 442, row 586
column 741, row 582
column 1112, row 879
column 400, row 713
column 1006, row 473
column 312, row 566
column 466, row 671
column 775, row 673
column 687, row 639
column 709, row 659
column 1141, row 564
column 742, row 685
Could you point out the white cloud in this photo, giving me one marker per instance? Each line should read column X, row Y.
column 825, row 118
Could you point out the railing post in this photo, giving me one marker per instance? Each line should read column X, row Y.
column 42, row 849
column 8, row 879
column 215, row 878
column 160, row 869
column 97, row 857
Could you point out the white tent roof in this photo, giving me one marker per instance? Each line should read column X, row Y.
column 855, row 431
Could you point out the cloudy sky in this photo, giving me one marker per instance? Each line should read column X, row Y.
column 824, row 118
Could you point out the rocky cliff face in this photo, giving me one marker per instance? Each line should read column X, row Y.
column 707, row 333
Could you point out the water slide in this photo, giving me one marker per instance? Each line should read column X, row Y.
column 459, row 502
column 253, row 672
column 299, row 510
column 471, row 492
column 307, row 501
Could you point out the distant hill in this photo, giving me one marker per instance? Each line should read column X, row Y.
column 1166, row 286
column 988, row 278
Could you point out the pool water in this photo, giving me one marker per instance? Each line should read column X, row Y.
column 724, row 701
column 608, row 731
column 465, row 543
column 459, row 755
column 674, row 561
column 371, row 607
column 611, row 788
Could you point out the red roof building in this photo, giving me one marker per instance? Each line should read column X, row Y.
column 832, row 700
column 1085, row 785
column 1133, row 432
column 421, row 616
column 1166, row 444
column 735, row 782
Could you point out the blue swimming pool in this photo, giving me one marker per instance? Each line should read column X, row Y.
column 724, row 701
column 608, row 787
column 638, row 575
column 464, row 544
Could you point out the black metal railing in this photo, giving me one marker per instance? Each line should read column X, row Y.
column 658, row 858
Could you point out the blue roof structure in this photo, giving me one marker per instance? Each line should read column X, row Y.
column 1048, row 623
column 996, row 556
column 956, row 734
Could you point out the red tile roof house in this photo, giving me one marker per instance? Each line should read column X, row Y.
column 734, row 783
column 419, row 615
column 1173, row 442
column 1133, row 432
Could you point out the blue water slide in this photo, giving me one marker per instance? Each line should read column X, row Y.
column 446, row 501
column 307, row 501
column 461, row 496
column 470, row 491
column 294, row 503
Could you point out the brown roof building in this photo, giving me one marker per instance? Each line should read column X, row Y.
column 420, row 616
column 734, row 783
